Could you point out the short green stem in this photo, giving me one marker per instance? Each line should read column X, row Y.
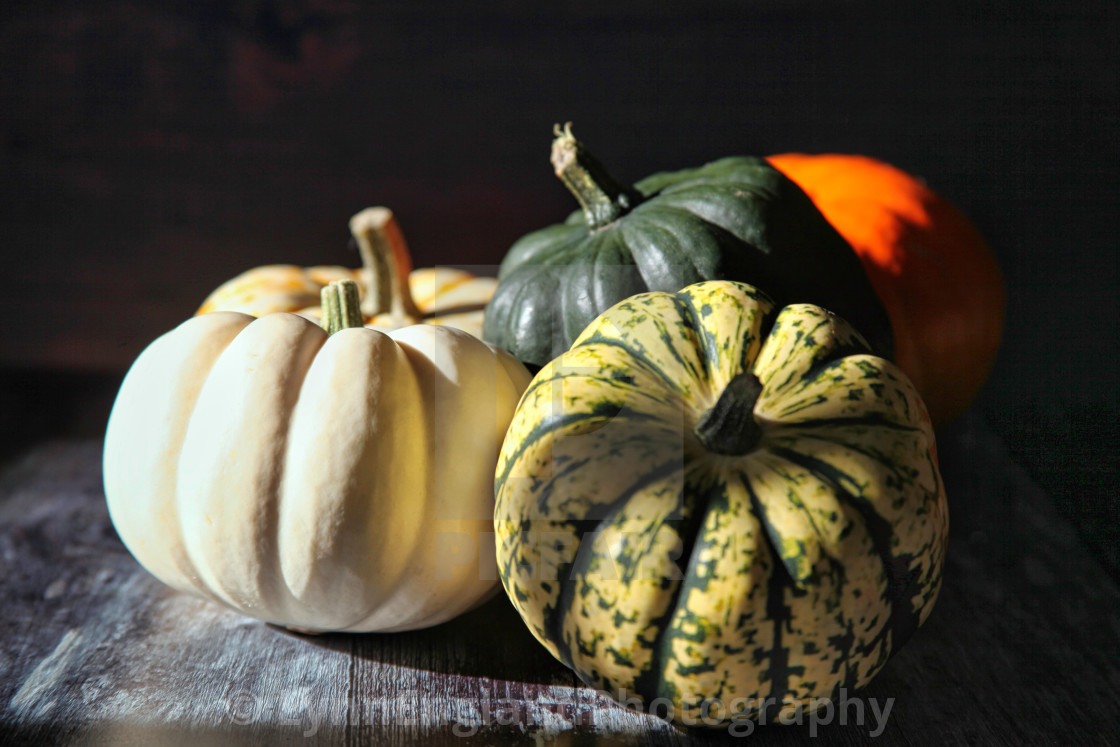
column 340, row 306
column 603, row 199
column 729, row 427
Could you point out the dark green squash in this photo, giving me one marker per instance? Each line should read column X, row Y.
column 737, row 218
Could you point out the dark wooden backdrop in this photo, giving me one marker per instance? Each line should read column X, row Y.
column 153, row 149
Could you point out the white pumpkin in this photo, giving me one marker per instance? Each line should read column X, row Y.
column 340, row 482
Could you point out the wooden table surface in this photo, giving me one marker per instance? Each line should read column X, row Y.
column 1022, row 649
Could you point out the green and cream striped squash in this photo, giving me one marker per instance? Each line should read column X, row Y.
column 709, row 502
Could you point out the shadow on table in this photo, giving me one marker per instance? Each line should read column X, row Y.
column 489, row 642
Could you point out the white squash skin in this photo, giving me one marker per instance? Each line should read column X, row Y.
column 324, row 484
column 146, row 429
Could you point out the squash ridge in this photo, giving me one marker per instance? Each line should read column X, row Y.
column 902, row 620
column 182, row 557
column 557, row 616
column 272, row 570
column 776, row 609
column 651, row 681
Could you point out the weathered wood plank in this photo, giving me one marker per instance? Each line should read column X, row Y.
column 1022, row 648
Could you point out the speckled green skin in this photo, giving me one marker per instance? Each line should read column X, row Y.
column 657, row 568
column 733, row 219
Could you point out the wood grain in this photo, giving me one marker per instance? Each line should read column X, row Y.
column 1021, row 649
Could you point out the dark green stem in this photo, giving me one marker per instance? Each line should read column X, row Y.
column 729, row 426
column 340, row 306
column 602, row 198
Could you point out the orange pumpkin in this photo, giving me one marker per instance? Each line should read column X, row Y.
column 929, row 265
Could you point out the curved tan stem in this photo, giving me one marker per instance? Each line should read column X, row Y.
column 386, row 258
column 603, row 199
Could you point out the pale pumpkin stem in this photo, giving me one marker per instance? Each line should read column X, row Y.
column 385, row 256
column 729, row 427
column 340, row 306
column 602, row 198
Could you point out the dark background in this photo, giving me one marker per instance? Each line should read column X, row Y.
column 152, row 150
